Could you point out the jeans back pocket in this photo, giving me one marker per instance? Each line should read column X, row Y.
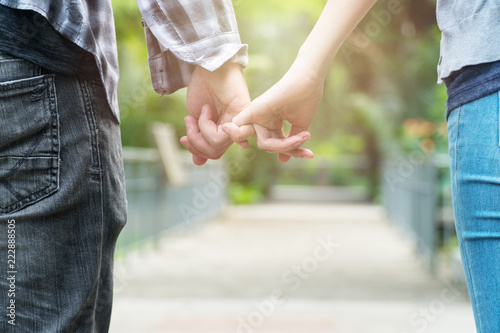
column 29, row 142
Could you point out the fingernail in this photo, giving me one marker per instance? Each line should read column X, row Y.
column 186, row 122
column 225, row 129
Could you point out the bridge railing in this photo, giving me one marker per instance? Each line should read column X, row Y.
column 417, row 198
column 156, row 206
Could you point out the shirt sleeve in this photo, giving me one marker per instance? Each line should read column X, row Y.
column 182, row 34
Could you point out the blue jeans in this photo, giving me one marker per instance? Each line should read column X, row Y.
column 474, row 149
column 62, row 201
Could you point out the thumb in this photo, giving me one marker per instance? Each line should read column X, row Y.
column 245, row 117
column 256, row 112
column 238, row 134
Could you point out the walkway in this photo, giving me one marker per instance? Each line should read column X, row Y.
column 286, row 268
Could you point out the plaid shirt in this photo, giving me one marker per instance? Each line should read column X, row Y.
column 88, row 24
column 183, row 33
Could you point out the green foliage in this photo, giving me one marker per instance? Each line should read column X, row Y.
column 275, row 11
column 242, row 194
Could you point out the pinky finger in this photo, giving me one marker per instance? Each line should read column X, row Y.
column 297, row 153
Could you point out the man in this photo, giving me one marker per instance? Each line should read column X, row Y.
column 62, row 197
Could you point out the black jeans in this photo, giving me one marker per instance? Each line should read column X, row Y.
column 62, row 201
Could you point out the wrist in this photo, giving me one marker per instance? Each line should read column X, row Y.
column 309, row 67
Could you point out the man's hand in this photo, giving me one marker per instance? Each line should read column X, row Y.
column 295, row 98
column 214, row 98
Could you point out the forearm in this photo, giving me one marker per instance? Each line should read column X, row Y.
column 337, row 21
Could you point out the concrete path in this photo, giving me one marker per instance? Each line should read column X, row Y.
column 286, row 268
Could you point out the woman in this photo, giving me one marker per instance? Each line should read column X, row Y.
column 470, row 66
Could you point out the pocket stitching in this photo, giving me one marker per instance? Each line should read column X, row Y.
column 459, row 110
column 52, row 171
column 92, row 126
column 31, row 198
column 498, row 132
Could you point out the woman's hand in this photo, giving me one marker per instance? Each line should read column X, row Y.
column 295, row 98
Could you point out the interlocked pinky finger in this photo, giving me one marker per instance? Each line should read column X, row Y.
column 297, row 153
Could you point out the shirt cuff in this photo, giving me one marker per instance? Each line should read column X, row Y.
column 171, row 68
